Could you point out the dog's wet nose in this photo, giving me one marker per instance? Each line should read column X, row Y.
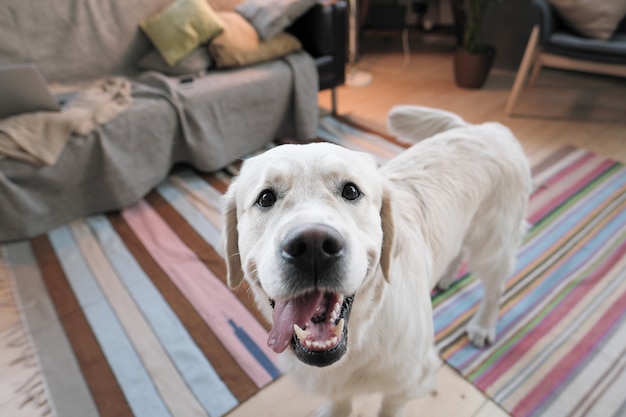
column 313, row 246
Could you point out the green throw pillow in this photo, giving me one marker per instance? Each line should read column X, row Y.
column 181, row 27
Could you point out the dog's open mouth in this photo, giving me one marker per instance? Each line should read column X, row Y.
column 315, row 324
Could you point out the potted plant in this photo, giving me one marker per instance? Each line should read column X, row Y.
column 473, row 58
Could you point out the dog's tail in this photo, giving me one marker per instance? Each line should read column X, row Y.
column 415, row 123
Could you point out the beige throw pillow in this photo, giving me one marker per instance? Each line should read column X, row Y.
column 181, row 27
column 238, row 36
column 593, row 18
column 280, row 45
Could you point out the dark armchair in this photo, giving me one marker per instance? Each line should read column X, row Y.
column 554, row 44
column 323, row 31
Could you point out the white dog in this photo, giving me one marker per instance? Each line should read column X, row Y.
column 341, row 256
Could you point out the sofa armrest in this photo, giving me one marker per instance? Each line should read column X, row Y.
column 323, row 31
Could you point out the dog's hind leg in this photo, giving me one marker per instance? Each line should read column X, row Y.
column 481, row 330
column 449, row 276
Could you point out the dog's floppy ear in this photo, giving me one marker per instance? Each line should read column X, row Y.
column 389, row 232
column 230, row 238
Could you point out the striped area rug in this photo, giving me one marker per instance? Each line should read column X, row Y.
column 128, row 312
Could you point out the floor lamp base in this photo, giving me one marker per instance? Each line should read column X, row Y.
column 358, row 78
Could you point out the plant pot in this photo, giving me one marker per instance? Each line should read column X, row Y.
column 471, row 69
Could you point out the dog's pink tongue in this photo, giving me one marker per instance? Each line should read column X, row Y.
column 298, row 311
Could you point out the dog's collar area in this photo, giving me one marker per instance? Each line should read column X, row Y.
column 318, row 332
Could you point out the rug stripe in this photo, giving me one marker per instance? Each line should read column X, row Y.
column 552, row 197
column 187, row 232
column 168, row 382
column 552, row 163
column 542, row 391
column 198, row 374
column 201, row 287
column 188, row 223
column 559, row 186
column 125, row 362
column 559, row 330
column 205, row 198
column 68, row 390
column 237, row 381
column 595, row 370
column 189, row 235
column 341, row 134
column 214, row 262
column 556, row 330
column 101, row 381
column 600, row 393
column 184, row 205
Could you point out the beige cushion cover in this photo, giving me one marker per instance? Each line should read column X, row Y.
column 280, row 45
column 593, row 18
column 238, row 36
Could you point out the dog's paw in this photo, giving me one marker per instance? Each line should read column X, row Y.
column 480, row 336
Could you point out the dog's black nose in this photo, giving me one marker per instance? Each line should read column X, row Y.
column 313, row 248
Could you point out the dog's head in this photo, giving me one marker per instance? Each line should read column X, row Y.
column 308, row 226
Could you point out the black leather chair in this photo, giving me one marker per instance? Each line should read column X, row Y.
column 323, row 31
column 553, row 44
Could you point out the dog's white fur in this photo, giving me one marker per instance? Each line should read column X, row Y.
column 462, row 189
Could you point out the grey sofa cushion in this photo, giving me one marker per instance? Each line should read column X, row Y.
column 197, row 61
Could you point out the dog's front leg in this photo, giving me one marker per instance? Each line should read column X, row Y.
column 335, row 408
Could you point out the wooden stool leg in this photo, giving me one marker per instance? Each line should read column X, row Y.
column 522, row 73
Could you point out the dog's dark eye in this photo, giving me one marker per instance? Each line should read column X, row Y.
column 267, row 198
column 350, row 192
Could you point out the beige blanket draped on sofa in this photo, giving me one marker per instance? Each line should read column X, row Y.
column 39, row 138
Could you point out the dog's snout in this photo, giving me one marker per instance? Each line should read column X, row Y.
column 313, row 246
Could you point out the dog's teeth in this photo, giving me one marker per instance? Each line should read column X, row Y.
column 333, row 341
column 340, row 299
column 308, row 344
column 338, row 330
column 302, row 334
column 333, row 317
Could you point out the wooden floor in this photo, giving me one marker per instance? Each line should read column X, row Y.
column 562, row 108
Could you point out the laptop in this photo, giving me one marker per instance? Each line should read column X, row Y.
column 23, row 89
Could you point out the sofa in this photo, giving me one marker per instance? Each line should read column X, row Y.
column 206, row 118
